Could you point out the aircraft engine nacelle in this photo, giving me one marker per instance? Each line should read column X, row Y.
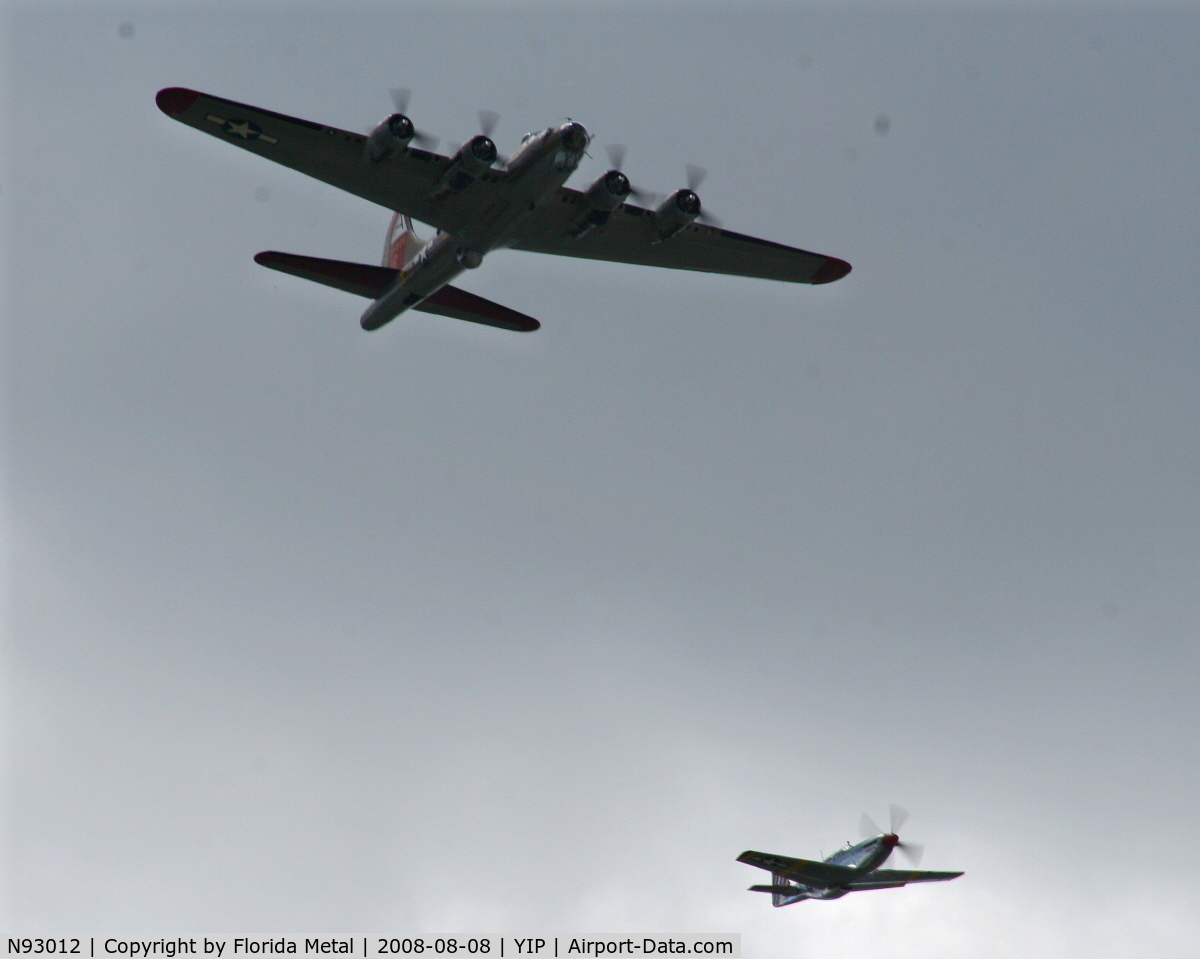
column 475, row 156
column 390, row 136
column 470, row 162
column 608, row 192
column 602, row 197
column 675, row 213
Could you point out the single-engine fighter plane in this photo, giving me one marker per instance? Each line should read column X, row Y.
column 478, row 205
column 848, row 870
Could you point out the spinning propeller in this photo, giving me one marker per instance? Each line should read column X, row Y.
column 616, row 158
column 487, row 121
column 869, row 828
column 695, row 176
column 400, row 98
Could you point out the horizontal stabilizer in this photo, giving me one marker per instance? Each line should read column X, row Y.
column 357, row 278
column 373, row 281
column 461, row 305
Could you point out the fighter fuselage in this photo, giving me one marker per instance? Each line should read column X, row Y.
column 866, row 857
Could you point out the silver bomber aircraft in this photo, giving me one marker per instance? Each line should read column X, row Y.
column 852, row 869
column 477, row 206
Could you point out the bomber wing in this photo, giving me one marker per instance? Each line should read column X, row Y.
column 824, row 875
column 628, row 235
column 402, row 182
column 890, row 878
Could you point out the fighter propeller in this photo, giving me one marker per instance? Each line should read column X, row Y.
column 898, row 817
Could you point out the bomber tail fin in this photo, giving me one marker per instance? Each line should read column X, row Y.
column 402, row 244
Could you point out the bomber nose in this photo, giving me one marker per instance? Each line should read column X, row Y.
column 574, row 136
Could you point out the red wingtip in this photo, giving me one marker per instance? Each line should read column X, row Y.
column 175, row 100
column 832, row 269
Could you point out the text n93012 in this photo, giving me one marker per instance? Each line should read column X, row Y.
column 46, row 947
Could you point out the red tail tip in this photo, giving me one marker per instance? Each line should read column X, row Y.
column 174, row 100
column 832, row 269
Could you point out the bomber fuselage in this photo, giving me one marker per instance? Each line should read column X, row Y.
column 532, row 175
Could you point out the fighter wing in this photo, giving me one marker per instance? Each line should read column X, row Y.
column 628, row 234
column 824, row 875
column 889, row 878
column 402, row 182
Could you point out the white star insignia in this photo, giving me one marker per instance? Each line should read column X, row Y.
column 243, row 129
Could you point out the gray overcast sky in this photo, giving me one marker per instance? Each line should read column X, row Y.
column 448, row 630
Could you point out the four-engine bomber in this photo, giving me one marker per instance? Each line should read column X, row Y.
column 477, row 203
